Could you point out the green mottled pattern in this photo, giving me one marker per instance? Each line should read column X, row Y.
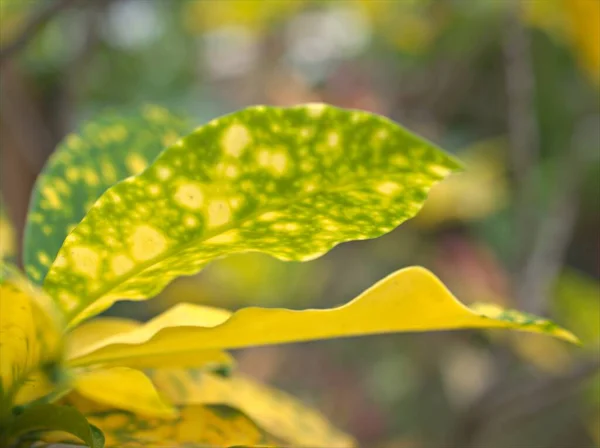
column 289, row 182
column 85, row 165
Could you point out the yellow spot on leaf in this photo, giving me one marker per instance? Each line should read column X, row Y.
column 43, row 258
column 90, row 177
column 190, row 196
column 147, row 243
column 219, row 213
column 74, row 141
column 163, row 173
column 279, row 162
column 154, row 190
column 227, row 237
column 315, row 109
column 231, row 171
column 269, row 216
column 333, row 138
column 309, row 187
column 235, row 139
column 67, row 301
column 136, row 163
column 388, row 188
column 121, row 264
column 190, row 221
column 108, row 171
column 85, row 261
column 439, row 170
column 51, row 196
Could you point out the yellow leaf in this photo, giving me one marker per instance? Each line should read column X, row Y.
column 274, row 411
column 411, row 299
column 196, row 425
column 30, row 333
column 124, row 388
column 81, row 337
column 480, row 190
column 102, row 331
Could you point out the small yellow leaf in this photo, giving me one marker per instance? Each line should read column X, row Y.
column 30, row 333
column 124, row 388
column 278, row 413
column 100, row 332
column 409, row 300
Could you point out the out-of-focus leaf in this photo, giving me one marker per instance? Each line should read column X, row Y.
column 30, row 333
column 411, row 299
column 101, row 153
column 99, row 332
column 575, row 21
column 7, row 236
column 274, row 411
column 124, row 388
column 43, row 417
column 577, row 302
column 289, row 182
column 480, row 190
column 196, row 425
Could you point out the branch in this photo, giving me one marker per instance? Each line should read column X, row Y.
column 36, row 21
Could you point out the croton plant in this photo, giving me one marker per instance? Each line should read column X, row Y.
column 125, row 205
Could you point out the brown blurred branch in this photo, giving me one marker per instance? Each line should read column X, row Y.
column 523, row 143
column 35, row 22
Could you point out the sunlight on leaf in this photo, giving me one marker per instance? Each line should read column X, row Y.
column 409, row 300
column 289, row 182
column 274, row 411
column 30, row 333
column 101, row 153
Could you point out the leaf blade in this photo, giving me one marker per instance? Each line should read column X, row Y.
column 409, row 300
column 289, row 182
column 57, row 418
column 30, row 333
column 273, row 410
column 86, row 163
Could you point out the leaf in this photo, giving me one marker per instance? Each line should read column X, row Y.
column 56, row 418
column 30, row 333
column 85, row 164
column 409, row 300
column 124, row 388
column 274, row 411
column 196, row 425
column 95, row 332
column 289, row 182
column 7, row 236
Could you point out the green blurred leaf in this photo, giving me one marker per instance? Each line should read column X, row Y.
column 52, row 417
column 84, row 166
column 289, row 182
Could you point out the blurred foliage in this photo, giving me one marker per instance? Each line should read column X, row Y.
column 438, row 66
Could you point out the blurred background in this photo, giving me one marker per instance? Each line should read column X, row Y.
column 512, row 88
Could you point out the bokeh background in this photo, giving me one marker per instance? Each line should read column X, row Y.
column 510, row 87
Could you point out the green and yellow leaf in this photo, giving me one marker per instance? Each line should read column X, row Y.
column 196, row 425
column 276, row 412
column 30, row 334
column 409, row 300
column 84, row 166
column 44, row 417
column 289, row 182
